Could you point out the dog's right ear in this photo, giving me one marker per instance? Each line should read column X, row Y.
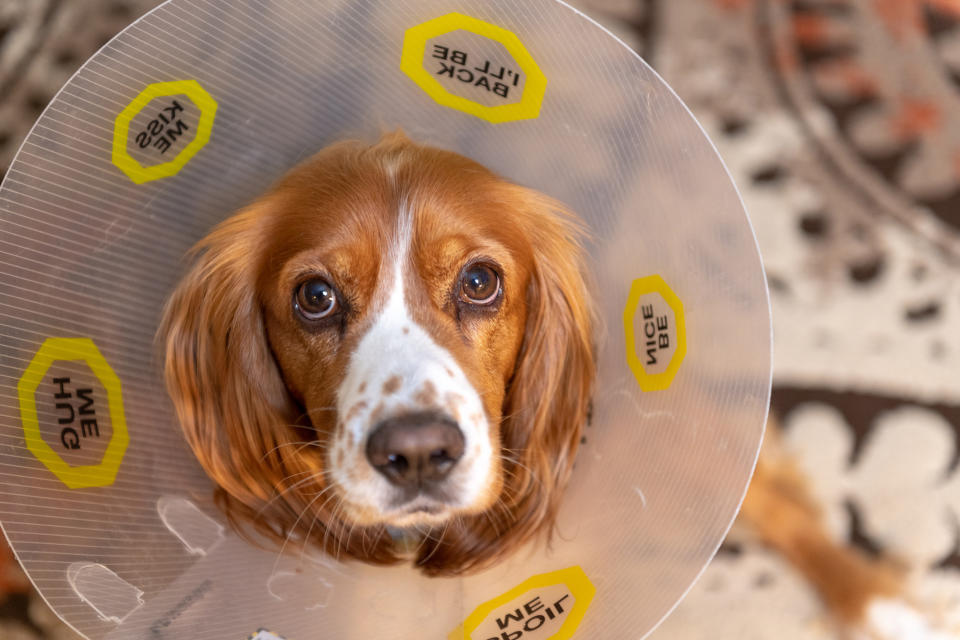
column 221, row 376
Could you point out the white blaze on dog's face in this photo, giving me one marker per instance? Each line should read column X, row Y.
column 395, row 308
column 399, row 378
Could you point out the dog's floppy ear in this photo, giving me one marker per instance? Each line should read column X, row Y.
column 548, row 397
column 224, row 384
column 232, row 403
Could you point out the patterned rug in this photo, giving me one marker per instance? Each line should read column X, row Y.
column 840, row 122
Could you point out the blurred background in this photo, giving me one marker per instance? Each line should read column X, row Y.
column 840, row 122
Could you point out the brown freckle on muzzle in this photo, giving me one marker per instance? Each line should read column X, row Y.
column 391, row 385
column 354, row 410
column 427, row 395
column 454, row 400
column 376, row 414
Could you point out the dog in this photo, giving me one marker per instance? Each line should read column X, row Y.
column 387, row 356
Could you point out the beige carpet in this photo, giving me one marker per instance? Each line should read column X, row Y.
column 840, row 122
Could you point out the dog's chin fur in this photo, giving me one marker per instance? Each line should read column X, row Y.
column 279, row 411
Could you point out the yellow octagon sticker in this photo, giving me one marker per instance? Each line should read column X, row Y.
column 655, row 331
column 83, row 349
column 165, row 130
column 549, row 606
column 463, row 72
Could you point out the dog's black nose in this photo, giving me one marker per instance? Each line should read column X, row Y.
column 415, row 450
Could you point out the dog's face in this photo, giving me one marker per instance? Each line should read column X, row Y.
column 395, row 317
column 393, row 337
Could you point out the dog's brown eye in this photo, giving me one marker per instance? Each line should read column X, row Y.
column 316, row 299
column 479, row 284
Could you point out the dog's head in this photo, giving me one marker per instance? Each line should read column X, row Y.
column 392, row 339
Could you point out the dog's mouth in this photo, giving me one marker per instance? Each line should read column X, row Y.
column 429, row 499
column 421, row 510
column 424, row 508
column 404, row 509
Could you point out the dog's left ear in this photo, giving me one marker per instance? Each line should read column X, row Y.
column 548, row 398
column 231, row 400
column 229, row 396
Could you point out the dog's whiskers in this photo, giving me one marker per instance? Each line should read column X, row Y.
column 306, row 537
column 438, row 541
column 293, row 529
column 311, row 476
column 517, row 463
column 303, row 444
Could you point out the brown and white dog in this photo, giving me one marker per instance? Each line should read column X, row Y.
column 393, row 342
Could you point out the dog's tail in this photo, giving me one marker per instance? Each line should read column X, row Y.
column 780, row 510
column 868, row 596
